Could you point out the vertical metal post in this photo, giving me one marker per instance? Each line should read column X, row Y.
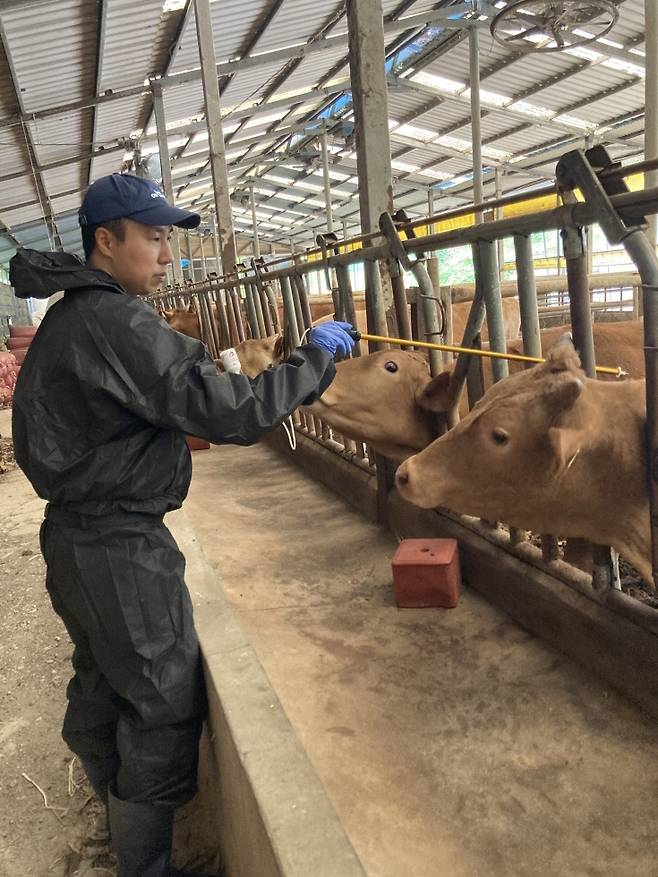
column 217, row 149
column 581, row 324
column 651, row 102
column 525, row 281
column 499, row 215
column 252, row 317
column 370, row 96
column 216, row 247
column 494, row 306
column 345, row 234
column 254, row 221
column 203, row 256
column 234, row 301
column 573, row 241
column 222, row 316
column 327, row 181
column 290, row 312
column 430, row 209
column 165, row 165
column 190, row 257
column 476, row 128
column 346, row 298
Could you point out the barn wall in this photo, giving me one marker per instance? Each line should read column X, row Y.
column 12, row 309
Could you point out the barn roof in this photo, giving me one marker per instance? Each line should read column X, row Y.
column 75, row 101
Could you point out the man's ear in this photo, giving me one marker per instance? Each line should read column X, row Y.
column 438, row 394
column 104, row 241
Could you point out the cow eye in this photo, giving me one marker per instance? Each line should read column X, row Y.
column 500, row 436
column 391, row 366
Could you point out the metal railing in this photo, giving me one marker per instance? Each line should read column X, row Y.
column 273, row 296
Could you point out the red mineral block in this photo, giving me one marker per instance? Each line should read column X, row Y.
column 196, row 444
column 426, row 573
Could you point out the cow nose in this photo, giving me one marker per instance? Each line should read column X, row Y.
column 402, row 476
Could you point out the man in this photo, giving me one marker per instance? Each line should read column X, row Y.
column 101, row 408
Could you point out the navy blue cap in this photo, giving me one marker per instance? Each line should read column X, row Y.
column 124, row 196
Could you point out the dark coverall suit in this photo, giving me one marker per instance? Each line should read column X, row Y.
column 101, row 406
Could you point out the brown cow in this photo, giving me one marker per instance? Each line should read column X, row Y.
column 379, row 399
column 547, row 450
column 184, row 320
column 615, row 344
column 460, row 312
column 258, row 354
column 384, row 399
column 255, row 354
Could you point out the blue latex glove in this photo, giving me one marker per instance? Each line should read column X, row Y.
column 332, row 337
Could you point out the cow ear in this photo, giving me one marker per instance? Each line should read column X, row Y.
column 279, row 347
column 562, row 396
column 564, row 444
column 562, row 356
column 438, row 394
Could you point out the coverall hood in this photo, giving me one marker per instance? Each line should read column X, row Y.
column 39, row 275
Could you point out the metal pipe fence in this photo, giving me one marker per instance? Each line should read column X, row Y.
column 252, row 309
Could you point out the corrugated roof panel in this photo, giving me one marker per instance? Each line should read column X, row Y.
column 102, row 165
column 631, row 22
column 446, row 115
column 16, row 191
column 313, row 69
column 137, row 37
column 58, row 48
column 120, row 119
column 582, row 86
column 249, row 85
column 403, row 102
column 232, row 22
column 183, row 101
column 67, row 203
column 61, row 137
column 20, row 216
column 63, row 179
column 528, row 70
column 455, row 63
column 296, row 22
column 13, row 152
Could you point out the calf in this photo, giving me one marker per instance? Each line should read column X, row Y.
column 255, row 354
column 547, row 450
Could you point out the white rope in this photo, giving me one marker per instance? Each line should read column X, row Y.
column 290, row 432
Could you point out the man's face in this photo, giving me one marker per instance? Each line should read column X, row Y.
column 139, row 262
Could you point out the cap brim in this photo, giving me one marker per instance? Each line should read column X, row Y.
column 165, row 214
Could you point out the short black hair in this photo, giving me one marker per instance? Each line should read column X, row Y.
column 116, row 226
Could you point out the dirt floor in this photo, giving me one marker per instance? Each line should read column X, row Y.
column 46, row 806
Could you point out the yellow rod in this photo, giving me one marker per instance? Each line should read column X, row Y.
column 617, row 371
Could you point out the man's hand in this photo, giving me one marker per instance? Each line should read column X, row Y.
column 332, row 337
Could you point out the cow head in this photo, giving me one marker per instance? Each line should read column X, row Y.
column 505, row 459
column 258, row 354
column 384, row 399
column 184, row 320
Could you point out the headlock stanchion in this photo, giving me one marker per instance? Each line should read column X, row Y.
column 575, row 170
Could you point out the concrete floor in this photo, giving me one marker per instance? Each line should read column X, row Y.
column 450, row 742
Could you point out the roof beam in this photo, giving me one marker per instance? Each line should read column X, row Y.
column 42, row 193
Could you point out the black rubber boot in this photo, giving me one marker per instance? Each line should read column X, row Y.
column 141, row 837
column 100, row 775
